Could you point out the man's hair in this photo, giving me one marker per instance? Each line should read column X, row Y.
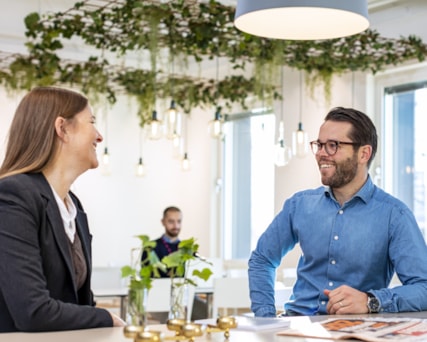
column 363, row 130
column 175, row 209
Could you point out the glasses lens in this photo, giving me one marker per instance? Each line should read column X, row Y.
column 315, row 146
column 331, row 147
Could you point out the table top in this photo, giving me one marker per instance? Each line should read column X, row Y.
column 116, row 334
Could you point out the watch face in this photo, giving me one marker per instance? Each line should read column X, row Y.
column 373, row 304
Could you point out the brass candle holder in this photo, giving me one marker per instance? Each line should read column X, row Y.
column 223, row 324
column 184, row 329
column 141, row 334
column 176, row 325
column 130, row 331
column 149, row 336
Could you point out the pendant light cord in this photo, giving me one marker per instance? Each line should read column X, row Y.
column 352, row 89
column 282, row 118
column 300, row 96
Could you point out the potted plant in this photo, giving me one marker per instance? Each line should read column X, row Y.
column 178, row 264
column 140, row 275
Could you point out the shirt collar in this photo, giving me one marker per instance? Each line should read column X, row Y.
column 68, row 214
column 164, row 237
column 365, row 192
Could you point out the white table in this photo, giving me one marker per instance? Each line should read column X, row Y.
column 116, row 334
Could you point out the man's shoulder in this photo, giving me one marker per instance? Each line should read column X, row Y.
column 320, row 191
column 384, row 198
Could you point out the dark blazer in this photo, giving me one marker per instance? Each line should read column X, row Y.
column 37, row 291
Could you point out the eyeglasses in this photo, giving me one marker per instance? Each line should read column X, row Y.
column 331, row 146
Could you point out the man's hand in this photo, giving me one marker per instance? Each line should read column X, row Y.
column 346, row 300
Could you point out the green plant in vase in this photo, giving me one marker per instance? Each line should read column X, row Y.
column 140, row 275
column 178, row 267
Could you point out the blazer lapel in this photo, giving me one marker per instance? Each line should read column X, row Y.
column 57, row 226
column 82, row 228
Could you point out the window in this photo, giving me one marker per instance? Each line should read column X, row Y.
column 248, row 202
column 405, row 146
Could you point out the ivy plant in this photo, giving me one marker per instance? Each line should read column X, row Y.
column 196, row 30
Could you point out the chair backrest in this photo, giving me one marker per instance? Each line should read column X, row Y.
column 236, row 268
column 107, row 278
column 230, row 293
column 159, row 296
column 281, row 296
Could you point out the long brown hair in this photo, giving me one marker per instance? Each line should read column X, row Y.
column 32, row 141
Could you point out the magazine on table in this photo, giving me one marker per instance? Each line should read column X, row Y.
column 365, row 329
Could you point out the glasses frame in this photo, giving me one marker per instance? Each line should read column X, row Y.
column 319, row 145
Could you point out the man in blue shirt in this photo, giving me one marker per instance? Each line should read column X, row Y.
column 352, row 234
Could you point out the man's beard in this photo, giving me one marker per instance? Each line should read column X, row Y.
column 344, row 173
column 173, row 232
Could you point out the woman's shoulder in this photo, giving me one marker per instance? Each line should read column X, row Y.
column 20, row 178
column 24, row 184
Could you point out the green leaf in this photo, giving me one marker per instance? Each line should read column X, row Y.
column 203, row 274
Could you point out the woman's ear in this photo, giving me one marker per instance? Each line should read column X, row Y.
column 60, row 130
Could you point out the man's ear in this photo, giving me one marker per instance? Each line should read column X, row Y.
column 60, row 130
column 365, row 153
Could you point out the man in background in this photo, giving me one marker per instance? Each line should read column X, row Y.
column 169, row 241
column 167, row 244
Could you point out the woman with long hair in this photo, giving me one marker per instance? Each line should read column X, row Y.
column 45, row 243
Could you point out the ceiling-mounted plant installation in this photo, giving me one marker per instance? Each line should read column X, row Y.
column 115, row 30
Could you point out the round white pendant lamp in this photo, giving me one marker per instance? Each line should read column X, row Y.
column 302, row 19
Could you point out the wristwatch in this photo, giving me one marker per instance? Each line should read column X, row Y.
column 373, row 303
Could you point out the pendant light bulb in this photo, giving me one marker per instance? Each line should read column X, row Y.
column 215, row 126
column 140, row 168
column 282, row 152
column 172, row 121
column 106, row 157
column 185, row 163
column 299, row 142
column 105, row 167
column 156, row 128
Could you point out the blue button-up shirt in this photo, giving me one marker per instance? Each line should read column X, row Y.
column 360, row 244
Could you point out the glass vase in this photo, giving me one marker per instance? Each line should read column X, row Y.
column 137, row 307
column 179, row 301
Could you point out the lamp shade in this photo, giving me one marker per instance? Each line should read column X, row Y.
column 302, row 19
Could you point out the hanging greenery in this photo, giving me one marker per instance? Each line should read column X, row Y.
column 190, row 28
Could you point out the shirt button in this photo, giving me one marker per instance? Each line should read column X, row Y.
column 341, row 212
column 336, row 237
column 333, row 262
column 323, row 302
column 331, row 283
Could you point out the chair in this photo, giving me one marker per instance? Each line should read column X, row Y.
column 159, row 297
column 230, row 293
column 107, row 278
column 281, row 296
column 107, row 286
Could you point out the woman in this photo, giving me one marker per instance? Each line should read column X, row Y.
column 45, row 244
